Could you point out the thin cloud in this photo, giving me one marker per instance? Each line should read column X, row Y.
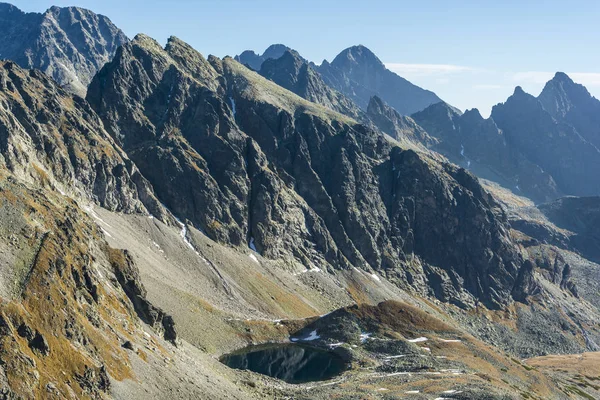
column 586, row 78
column 427, row 69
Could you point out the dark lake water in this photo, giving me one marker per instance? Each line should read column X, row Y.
column 293, row 363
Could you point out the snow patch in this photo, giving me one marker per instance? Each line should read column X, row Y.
column 251, row 245
column 392, row 357
column 450, row 340
column 253, row 257
column 334, row 345
column 462, row 150
column 365, row 336
column 376, row 277
column 417, row 340
column 312, row 336
column 411, row 392
column 397, row 373
column 183, row 234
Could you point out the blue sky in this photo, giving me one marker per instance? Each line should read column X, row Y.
column 471, row 53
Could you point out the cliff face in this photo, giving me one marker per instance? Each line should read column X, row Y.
column 69, row 44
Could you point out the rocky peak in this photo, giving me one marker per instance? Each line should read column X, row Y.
column 6, row 8
column 473, row 115
column 69, row 44
column 438, row 119
column 570, row 102
column 275, row 51
column 360, row 75
column 357, row 55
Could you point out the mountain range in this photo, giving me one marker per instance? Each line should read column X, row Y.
column 160, row 209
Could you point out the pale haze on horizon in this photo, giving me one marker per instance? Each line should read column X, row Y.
column 471, row 53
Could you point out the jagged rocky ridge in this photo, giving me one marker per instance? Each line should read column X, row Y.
column 554, row 144
column 350, row 80
column 542, row 147
column 69, row 44
column 246, row 161
column 479, row 145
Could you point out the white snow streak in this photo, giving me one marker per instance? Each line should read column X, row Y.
column 232, row 106
column 364, row 337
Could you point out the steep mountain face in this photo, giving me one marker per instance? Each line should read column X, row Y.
column 571, row 103
column 395, row 125
column 555, row 145
column 360, row 75
column 479, row 145
column 295, row 74
column 69, row 44
column 248, row 162
column 255, row 61
column 55, row 140
column 581, row 217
